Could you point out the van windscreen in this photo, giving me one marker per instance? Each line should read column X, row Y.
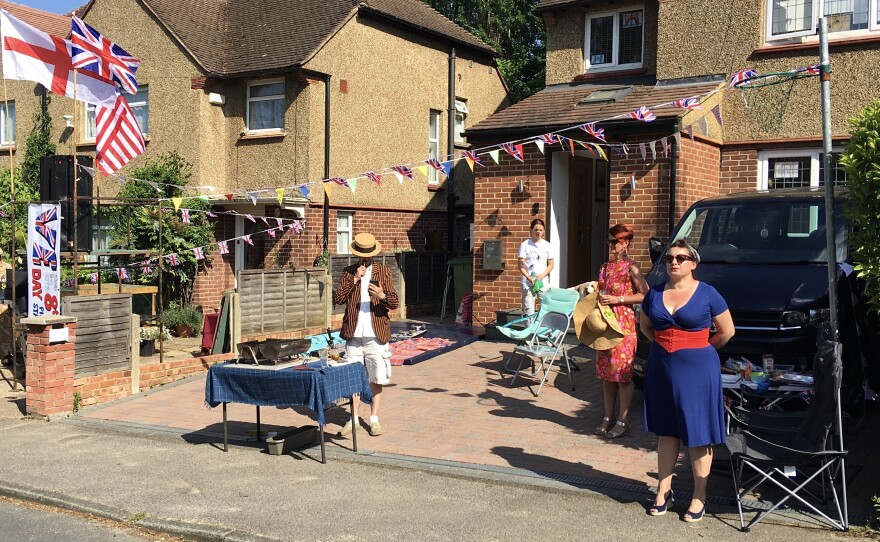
column 783, row 231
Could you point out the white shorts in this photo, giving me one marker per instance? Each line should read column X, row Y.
column 375, row 356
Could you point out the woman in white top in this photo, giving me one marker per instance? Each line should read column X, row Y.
column 535, row 263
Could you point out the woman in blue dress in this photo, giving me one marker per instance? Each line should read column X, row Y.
column 683, row 401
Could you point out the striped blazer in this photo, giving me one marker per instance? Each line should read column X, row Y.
column 348, row 293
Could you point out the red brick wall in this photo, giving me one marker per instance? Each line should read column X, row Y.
column 49, row 370
column 698, row 174
column 739, row 170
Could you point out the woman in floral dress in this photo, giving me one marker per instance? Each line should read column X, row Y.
column 621, row 285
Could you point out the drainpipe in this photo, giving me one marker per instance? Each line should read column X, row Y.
column 326, row 158
column 450, row 144
column 673, row 165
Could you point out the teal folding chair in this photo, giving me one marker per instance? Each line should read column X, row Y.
column 543, row 336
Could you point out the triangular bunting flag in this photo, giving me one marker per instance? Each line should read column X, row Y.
column 423, row 170
column 399, row 176
column 304, row 190
column 717, row 112
column 447, row 167
column 228, row 197
column 665, row 143
column 280, row 193
column 254, row 196
column 176, row 202
column 494, row 155
column 643, row 151
column 352, row 184
column 704, row 126
column 677, row 136
column 328, row 188
column 601, row 152
column 154, row 185
column 539, row 144
column 653, row 148
column 690, row 131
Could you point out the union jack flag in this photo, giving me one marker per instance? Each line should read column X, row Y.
column 340, row 181
column 434, row 163
column 741, row 77
column 688, row 103
column 514, row 150
column 250, row 217
column 296, row 226
column 172, row 259
column 248, row 240
column 223, row 247
column 403, row 170
column 3, row 214
column 93, row 52
column 146, row 268
column 642, row 113
column 93, row 278
column 375, row 177
column 122, row 273
column 184, row 216
column 44, row 257
column 271, row 232
column 70, row 283
column 472, row 156
column 199, row 253
column 42, row 225
column 548, row 138
column 590, row 128
column 279, row 222
column 812, row 70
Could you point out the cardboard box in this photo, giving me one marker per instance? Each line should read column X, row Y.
column 296, row 438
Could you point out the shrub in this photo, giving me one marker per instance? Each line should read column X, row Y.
column 188, row 315
column 152, row 333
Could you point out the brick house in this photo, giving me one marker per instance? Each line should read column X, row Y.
column 608, row 58
column 241, row 89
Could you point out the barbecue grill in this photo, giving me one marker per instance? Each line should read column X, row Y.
column 271, row 351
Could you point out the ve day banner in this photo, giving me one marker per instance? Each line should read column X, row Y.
column 44, row 275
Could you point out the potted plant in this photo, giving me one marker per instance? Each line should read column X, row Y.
column 148, row 336
column 185, row 320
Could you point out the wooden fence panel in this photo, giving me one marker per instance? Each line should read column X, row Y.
column 282, row 300
column 103, row 332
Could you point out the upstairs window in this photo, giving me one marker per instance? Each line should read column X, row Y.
column 615, row 39
column 796, row 18
column 433, row 142
column 461, row 113
column 265, row 105
column 7, row 123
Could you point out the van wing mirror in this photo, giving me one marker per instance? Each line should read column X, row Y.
column 655, row 248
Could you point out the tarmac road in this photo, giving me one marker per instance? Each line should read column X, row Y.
column 191, row 488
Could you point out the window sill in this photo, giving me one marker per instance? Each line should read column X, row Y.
column 245, row 136
column 7, row 148
column 590, row 76
column 93, row 142
column 436, row 187
column 811, row 42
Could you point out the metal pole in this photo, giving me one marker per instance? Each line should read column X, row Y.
column 450, row 145
column 830, row 247
column 326, row 160
column 161, row 265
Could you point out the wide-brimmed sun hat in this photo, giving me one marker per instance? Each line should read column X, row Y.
column 595, row 324
column 365, row 245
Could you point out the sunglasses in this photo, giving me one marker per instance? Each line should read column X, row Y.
column 680, row 258
column 613, row 242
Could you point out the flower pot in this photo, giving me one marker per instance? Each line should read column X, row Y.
column 183, row 330
column 147, row 348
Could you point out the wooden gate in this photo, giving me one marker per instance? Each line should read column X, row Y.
column 279, row 300
column 103, row 332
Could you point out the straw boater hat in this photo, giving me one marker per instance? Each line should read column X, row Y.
column 595, row 324
column 365, row 245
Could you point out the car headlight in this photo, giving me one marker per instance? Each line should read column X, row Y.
column 794, row 318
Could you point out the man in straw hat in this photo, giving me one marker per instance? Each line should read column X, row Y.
column 368, row 293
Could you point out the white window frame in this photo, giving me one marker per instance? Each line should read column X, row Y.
column 812, row 33
column 4, row 119
column 433, row 142
column 344, row 248
column 247, row 107
column 91, row 129
column 815, row 164
column 613, row 65
column 460, row 124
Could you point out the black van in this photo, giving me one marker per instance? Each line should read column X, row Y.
column 765, row 253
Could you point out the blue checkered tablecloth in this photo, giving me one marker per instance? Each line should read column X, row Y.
column 235, row 383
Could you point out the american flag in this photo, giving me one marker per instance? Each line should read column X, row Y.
column 93, row 52
column 93, row 278
column 146, row 268
column 223, row 247
column 403, row 170
column 472, row 156
column 248, row 240
column 172, row 259
column 642, row 113
column 514, row 150
column 373, row 176
column 549, row 139
column 688, row 103
column 44, row 257
column 184, row 216
column 199, row 253
column 122, row 273
column 271, row 232
column 590, row 128
column 741, row 77
column 119, row 136
column 41, row 224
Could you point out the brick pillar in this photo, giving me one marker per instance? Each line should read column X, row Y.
column 50, row 364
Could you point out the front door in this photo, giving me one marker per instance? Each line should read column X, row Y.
column 580, row 218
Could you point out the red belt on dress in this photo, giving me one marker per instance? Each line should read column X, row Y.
column 673, row 339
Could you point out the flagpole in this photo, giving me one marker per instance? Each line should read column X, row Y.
column 12, row 245
column 75, row 211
